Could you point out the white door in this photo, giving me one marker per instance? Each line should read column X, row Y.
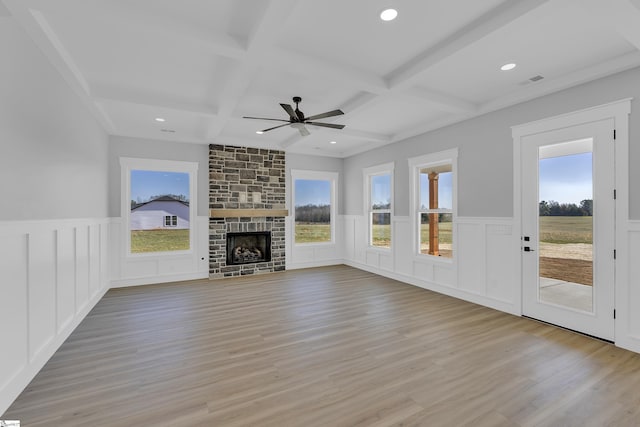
column 568, row 224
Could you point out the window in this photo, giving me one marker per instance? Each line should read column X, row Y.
column 379, row 204
column 171, row 221
column 158, row 206
column 434, row 203
column 315, row 207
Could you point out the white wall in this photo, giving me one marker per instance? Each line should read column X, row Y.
column 53, row 218
column 53, row 161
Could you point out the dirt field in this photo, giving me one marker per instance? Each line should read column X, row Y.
column 572, row 262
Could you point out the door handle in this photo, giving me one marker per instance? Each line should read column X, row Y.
column 528, row 249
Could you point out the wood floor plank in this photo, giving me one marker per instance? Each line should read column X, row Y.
column 331, row 346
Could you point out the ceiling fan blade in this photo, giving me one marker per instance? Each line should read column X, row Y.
column 264, row 118
column 325, row 115
column 275, row 127
column 326, row 125
column 303, row 131
column 290, row 111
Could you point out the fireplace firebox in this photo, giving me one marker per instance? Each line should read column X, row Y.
column 248, row 248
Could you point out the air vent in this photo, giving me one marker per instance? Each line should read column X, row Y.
column 536, row 78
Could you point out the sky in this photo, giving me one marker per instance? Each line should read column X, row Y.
column 566, row 179
column 380, row 189
column 445, row 192
column 312, row 192
column 145, row 184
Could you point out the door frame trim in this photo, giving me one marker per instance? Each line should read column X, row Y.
column 618, row 111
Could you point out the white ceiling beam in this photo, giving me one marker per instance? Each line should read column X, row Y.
column 262, row 37
column 199, row 110
column 49, row 43
column 407, row 74
column 622, row 15
column 442, row 101
column 264, row 33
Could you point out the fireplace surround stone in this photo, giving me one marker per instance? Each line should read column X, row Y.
column 244, row 180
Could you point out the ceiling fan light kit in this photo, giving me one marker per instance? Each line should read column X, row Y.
column 297, row 120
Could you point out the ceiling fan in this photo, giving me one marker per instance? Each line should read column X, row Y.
column 298, row 121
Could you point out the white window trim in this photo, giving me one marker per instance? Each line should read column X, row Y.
column 415, row 164
column 368, row 173
column 127, row 164
column 332, row 177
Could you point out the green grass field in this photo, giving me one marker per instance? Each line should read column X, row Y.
column 566, row 229
column 143, row 241
column 553, row 229
column 312, row 233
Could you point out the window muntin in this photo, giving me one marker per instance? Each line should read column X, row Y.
column 379, row 207
column 171, row 221
column 314, row 207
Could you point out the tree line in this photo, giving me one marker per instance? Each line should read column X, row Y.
column 313, row 213
column 553, row 208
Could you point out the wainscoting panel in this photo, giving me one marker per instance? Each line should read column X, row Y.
column 14, row 327
column 66, row 277
column 42, row 290
column 501, row 254
column 403, row 255
column 52, row 276
column 82, row 266
column 472, row 258
column 310, row 255
column 482, row 269
column 627, row 305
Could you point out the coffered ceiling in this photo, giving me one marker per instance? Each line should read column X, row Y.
column 203, row 64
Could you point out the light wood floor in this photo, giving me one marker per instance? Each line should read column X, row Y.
column 329, row 346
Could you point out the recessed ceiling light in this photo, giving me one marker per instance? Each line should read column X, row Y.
column 259, row 132
column 509, row 66
column 388, row 14
column 160, row 119
column 333, row 142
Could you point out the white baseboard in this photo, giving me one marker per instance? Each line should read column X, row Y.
column 151, row 280
column 311, row 264
column 446, row 290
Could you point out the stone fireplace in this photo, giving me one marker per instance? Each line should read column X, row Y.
column 247, row 211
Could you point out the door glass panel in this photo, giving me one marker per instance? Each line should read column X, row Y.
column 565, row 224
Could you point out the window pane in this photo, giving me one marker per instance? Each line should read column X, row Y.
column 312, row 211
column 436, row 235
column 442, row 177
column 159, row 219
column 381, row 230
column 381, row 192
